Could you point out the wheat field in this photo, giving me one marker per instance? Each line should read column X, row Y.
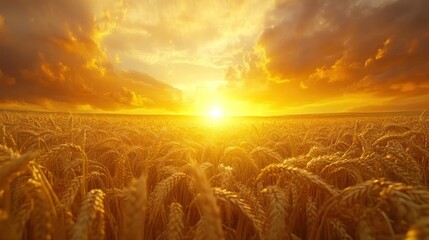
column 66, row 176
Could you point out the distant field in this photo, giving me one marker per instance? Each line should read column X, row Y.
column 357, row 176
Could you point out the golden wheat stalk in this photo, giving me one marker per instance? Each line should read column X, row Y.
column 16, row 164
column 310, row 211
column 135, row 209
column 211, row 225
column 69, row 195
column 176, row 225
column 161, row 192
column 41, row 216
column 90, row 221
column 243, row 205
column 350, row 196
column 340, row 229
column 275, row 227
column 282, row 169
column 386, row 138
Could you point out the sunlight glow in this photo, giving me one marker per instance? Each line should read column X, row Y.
column 215, row 113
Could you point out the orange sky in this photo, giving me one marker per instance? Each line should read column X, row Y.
column 249, row 57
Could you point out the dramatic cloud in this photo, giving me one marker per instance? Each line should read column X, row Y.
column 51, row 56
column 251, row 56
column 326, row 49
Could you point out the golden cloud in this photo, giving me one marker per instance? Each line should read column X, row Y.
column 321, row 50
column 52, row 56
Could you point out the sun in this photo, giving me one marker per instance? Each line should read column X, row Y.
column 216, row 112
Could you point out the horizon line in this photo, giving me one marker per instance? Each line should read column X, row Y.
column 410, row 112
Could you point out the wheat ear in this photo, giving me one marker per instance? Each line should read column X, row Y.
column 211, row 225
column 282, row 169
column 176, row 225
column 8, row 169
column 276, row 226
column 90, row 221
column 135, row 209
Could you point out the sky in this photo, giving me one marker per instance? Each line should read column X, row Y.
column 246, row 57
